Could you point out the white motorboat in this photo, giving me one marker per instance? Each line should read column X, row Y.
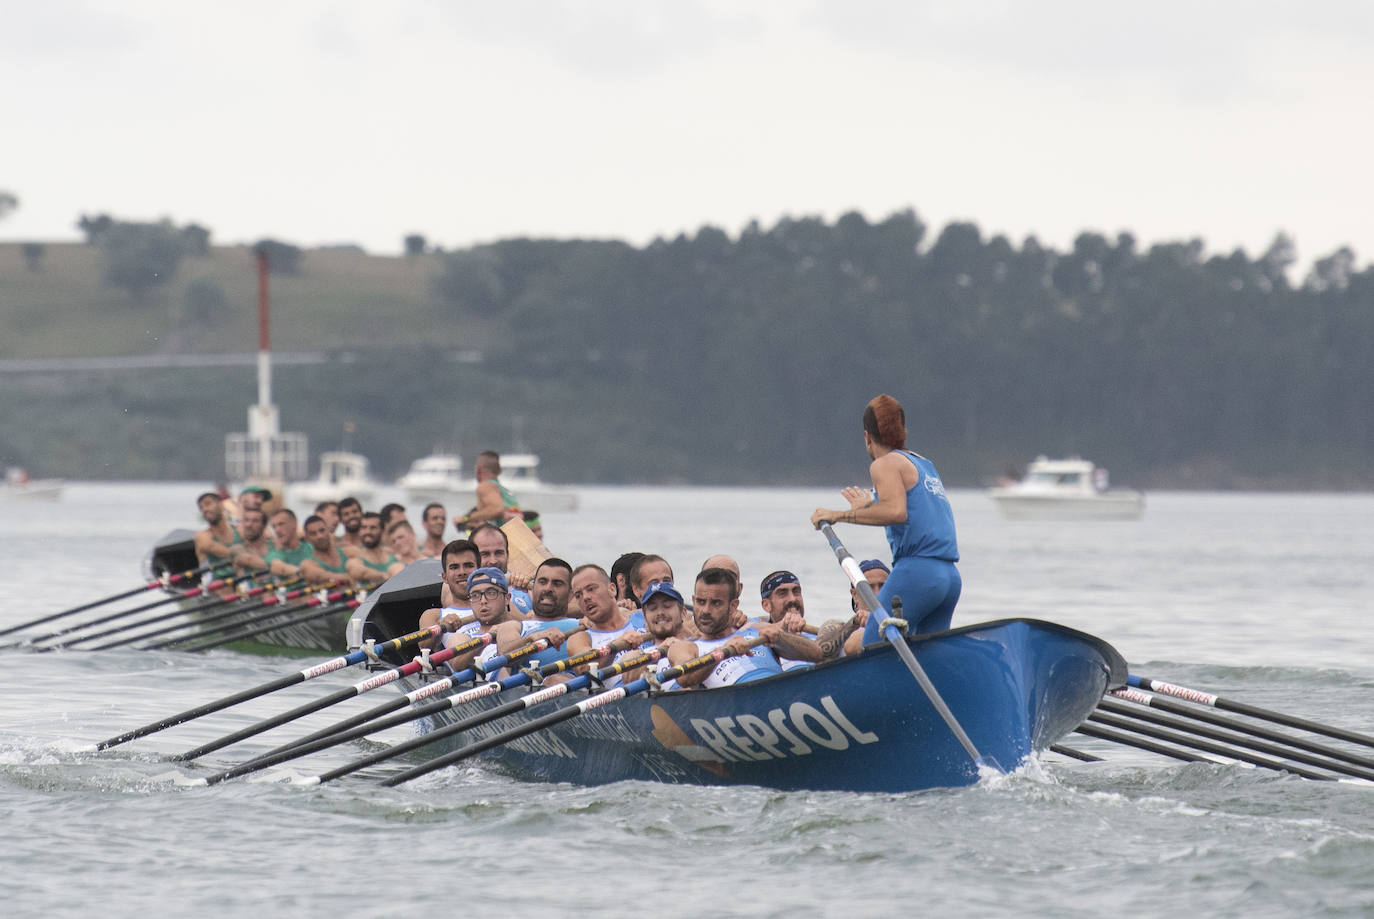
column 17, row 486
column 1066, row 489
column 520, row 474
column 437, row 477
column 341, row 474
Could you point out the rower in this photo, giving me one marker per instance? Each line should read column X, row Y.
column 250, row 554
column 327, row 564
column 215, row 543
column 400, row 539
column 604, row 618
column 494, row 546
column 390, row 514
column 715, row 600
column 458, row 560
column 780, row 595
column 620, row 575
column 351, row 516
column 285, row 558
column 328, row 511
column 552, row 589
column 650, row 569
column 434, row 519
column 489, row 594
column 842, row 637
column 665, row 624
column 370, row 558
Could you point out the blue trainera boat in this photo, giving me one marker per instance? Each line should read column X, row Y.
column 857, row 724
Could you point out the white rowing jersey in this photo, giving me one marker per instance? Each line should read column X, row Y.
column 603, row 637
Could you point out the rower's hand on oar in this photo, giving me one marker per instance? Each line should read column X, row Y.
column 555, row 637
column 793, row 621
column 451, row 622
column 518, row 581
column 823, row 515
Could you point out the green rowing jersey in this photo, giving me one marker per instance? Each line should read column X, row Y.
column 292, row 556
column 381, row 566
column 334, row 569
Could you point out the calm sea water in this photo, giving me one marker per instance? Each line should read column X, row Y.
column 1261, row 598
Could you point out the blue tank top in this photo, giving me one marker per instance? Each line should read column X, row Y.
column 929, row 528
column 760, row 662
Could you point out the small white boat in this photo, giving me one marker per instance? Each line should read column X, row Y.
column 341, row 474
column 437, row 477
column 520, row 474
column 1066, row 489
column 17, row 486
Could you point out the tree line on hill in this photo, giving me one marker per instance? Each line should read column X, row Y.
column 1157, row 360
column 714, row 358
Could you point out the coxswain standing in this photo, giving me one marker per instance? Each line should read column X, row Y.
column 215, row 543
column 912, row 505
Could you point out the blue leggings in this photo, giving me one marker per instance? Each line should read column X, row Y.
column 929, row 588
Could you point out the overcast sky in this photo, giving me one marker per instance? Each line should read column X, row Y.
column 321, row 122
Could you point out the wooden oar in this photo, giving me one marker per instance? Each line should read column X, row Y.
column 208, row 591
column 265, row 626
column 1196, row 714
column 368, row 723
column 230, row 618
column 566, row 714
column 291, row 679
column 163, row 601
column 480, row 718
column 1240, row 708
column 198, row 610
column 357, row 689
column 1187, row 740
column 895, row 638
column 151, row 585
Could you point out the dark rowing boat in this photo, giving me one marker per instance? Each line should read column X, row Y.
column 297, row 632
column 858, row 723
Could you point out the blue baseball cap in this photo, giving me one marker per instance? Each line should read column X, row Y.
column 484, row 576
column 873, row 564
column 660, row 588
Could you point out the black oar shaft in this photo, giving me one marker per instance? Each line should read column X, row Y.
column 327, row 610
column 1210, row 717
column 1130, row 740
column 1074, row 754
column 1231, row 737
column 1188, row 740
column 151, row 585
column 898, row 642
column 1240, row 708
column 309, row 673
column 195, row 610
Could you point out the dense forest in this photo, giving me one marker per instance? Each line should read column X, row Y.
column 712, row 358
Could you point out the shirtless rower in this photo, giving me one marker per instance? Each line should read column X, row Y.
column 285, row 558
column 434, row 518
column 715, row 601
column 400, row 539
column 495, row 503
column 780, row 595
column 328, row 564
column 250, row 554
column 458, row 560
column 351, row 516
column 215, row 543
column 370, row 559
column 551, row 591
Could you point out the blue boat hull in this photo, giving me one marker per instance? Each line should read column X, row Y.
column 856, row 724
